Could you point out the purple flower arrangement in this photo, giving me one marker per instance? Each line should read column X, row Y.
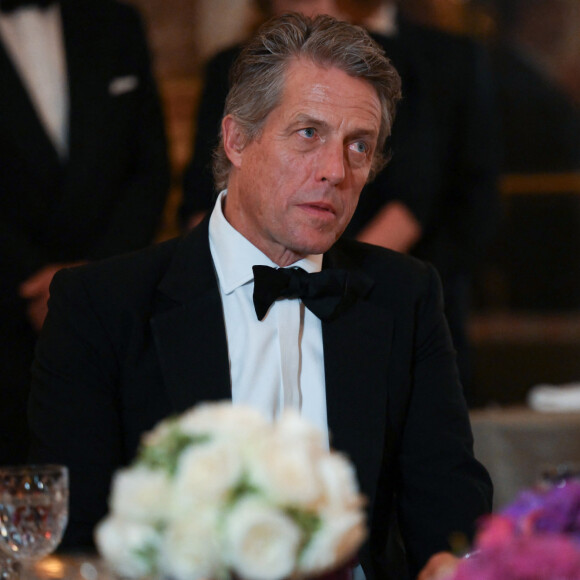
column 537, row 537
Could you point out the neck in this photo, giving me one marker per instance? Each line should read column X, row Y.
column 280, row 255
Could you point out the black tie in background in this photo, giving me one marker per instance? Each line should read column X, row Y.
column 7, row 6
column 326, row 293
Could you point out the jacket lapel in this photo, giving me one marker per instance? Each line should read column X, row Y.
column 356, row 354
column 187, row 326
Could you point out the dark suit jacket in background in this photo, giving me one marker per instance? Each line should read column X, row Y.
column 107, row 198
column 134, row 339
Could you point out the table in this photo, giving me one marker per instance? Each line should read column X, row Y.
column 517, row 444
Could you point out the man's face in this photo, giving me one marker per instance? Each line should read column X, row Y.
column 293, row 190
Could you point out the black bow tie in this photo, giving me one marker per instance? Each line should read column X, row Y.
column 326, row 293
column 7, row 6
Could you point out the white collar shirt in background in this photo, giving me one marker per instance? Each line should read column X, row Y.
column 34, row 41
column 276, row 362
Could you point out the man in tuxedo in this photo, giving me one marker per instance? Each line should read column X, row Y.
column 84, row 172
column 264, row 305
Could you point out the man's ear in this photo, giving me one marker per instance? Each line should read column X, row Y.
column 233, row 140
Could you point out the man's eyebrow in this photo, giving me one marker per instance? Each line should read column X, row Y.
column 365, row 133
column 306, row 120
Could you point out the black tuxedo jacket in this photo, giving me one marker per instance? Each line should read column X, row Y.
column 107, row 197
column 134, row 339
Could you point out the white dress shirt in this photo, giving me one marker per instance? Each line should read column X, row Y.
column 276, row 362
column 34, row 41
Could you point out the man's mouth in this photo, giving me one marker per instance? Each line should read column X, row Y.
column 319, row 208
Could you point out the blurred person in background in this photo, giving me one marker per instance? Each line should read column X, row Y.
column 539, row 246
column 84, row 171
column 437, row 199
column 530, row 37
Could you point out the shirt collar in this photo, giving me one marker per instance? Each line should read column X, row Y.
column 233, row 255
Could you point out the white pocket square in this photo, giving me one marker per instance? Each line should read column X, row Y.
column 122, row 85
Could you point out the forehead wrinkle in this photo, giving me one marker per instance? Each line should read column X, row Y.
column 317, row 103
column 319, row 91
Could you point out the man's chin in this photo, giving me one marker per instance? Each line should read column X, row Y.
column 305, row 239
column 315, row 247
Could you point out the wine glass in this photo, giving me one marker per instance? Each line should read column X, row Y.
column 33, row 513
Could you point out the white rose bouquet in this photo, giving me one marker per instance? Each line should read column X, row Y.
column 221, row 492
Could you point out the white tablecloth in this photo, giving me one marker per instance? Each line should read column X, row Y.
column 517, row 445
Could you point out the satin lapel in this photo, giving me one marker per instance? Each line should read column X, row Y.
column 356, row 356
column 19, row 117
column 188, row 327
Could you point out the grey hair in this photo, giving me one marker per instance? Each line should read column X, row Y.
column 258, row 76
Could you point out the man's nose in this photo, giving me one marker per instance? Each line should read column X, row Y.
column 332, row 164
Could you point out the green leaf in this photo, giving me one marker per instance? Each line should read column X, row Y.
column 165, row 454
column 148, row 554
column 308, row 522
column 242, row 488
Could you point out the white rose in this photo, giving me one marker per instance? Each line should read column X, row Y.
column 140, row 494
column 129, row 548
column 334, row 544
column 191, row 548
column 223, row 419
column 285, row 473
column 260, row 542
column 206, row 473
column 339, row 482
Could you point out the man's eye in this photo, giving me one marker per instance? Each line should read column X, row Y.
column 360, row 147
column 309, row 132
